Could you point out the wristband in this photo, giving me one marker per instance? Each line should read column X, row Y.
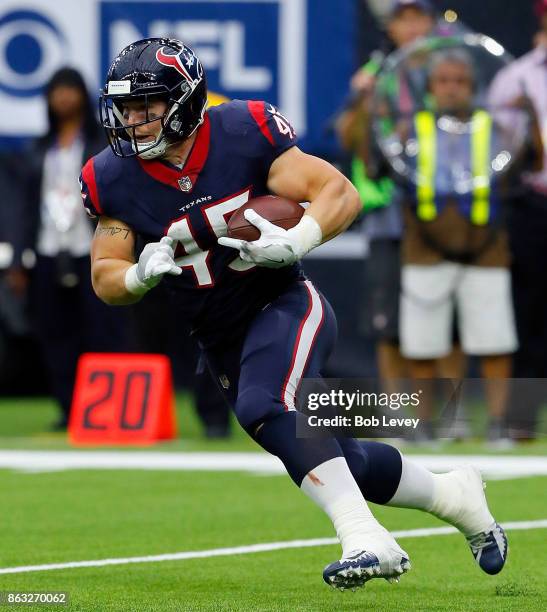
column 306, row 235
column 132, row 282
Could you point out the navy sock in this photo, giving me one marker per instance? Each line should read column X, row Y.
column 375, row 466
column 299, row 455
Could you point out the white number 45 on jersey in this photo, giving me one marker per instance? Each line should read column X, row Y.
column 282, row 122
column 197, row 259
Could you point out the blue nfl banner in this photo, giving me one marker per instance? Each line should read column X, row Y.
column 297, row 54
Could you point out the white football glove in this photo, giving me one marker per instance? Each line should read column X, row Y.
column 276, row 246
column 156, row 259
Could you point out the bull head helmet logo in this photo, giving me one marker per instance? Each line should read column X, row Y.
column 176, row 61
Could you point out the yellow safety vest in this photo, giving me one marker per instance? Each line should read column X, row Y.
column 426, row 133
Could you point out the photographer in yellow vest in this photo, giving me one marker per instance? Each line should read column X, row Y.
column 455, row 251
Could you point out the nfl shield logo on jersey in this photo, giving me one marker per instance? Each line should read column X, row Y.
column 185, row 183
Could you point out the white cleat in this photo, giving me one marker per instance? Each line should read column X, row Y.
column 384, row 559
column 461, row 502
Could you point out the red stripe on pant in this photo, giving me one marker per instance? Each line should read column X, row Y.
column 288, row 402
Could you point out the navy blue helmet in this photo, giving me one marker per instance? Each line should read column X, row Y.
column 151, row 69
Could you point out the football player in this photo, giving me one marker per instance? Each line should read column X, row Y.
column 173, row 174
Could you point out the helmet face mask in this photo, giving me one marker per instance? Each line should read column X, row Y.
column 148, row 70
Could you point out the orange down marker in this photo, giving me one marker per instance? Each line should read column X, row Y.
column 122, row 398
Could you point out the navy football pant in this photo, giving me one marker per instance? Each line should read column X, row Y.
column 291, row 338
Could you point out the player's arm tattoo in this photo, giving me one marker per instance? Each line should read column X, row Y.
column 113, row 230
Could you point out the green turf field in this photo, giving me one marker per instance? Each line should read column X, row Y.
column 87, row 515
column 24, row 424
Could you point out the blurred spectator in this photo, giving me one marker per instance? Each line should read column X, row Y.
column 407, row 21
column 67, row 316
column 383, row 224
column 526, row 80
column 455, row 249
column 13, row 323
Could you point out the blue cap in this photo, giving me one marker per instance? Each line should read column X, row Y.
column 423, row 5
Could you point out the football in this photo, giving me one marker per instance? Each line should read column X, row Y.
column 280, row 211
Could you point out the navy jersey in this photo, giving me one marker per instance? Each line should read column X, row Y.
column 228, row 164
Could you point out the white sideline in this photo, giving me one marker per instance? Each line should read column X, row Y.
column 252, row 548
column 491, row 466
